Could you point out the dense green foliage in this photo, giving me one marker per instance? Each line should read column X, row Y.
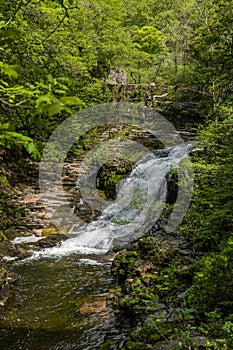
column 55, row 57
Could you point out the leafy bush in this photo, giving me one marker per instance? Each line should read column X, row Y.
column 209, row 221
column 9, row 138
column 213, row 282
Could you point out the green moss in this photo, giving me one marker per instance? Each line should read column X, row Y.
column 118, row 249
column 2, row 237
column 150, row 248
column 106, row 346
column 131, row 345
column 109, row 176
column 153, row 332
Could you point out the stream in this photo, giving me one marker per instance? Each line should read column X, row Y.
column 59, row 287
column 46, row 314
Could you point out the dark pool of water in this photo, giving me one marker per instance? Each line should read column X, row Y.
column 46, row 311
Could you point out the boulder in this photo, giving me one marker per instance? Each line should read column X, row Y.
column 117, row 76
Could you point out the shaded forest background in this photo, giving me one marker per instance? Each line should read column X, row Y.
column 55, row 58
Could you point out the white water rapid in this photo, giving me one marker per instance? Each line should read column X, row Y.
column 140, row 200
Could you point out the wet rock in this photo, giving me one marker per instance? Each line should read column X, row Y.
column 7, row 249
column 131, row 345
column 184, row 252
column 51, row 240
column 93, row 305
column 154, row 274
column 38, row 232
column 145, row 267
column 199, row 341
column 5, row 286
column 46, row 231
column 23, row 254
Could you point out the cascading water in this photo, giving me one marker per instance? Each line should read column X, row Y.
column 50, row 291
column 139, row 203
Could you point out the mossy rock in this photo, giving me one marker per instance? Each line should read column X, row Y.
column 131, row 345
column 52, row 230
column 3, row 276
column 51, row 240
column 8, row 249
column 5, row 286
column 2, row 236
column 124, row 265
column 109, row 176
column 150, row 248
column 106, row 346
column 198, row 343
column 118, row 248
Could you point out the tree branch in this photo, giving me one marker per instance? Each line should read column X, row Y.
column 54, row 30
column 159, row 96
column 19, row 104
column 65, row 8
column 66, row 15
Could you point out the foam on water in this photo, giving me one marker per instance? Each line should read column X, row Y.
column 139, row 203
column 27, row 239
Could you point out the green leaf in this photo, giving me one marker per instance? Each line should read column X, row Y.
column 72, row 101
column 43, row 99
column 8, row 70
column 54, row 108
column 9, row 138
column 6, row 127
column 8, row 33
column 4, row 83
column 32, row 150
column 60, row 92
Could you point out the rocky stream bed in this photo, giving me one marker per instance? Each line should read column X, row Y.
column 131, row 298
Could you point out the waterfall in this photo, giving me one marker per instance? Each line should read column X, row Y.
column 140, row 201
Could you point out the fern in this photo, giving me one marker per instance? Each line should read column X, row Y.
column 10, row 138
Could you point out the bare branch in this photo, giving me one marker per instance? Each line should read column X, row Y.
column 54, row 30
column 19, row 104
column 66, row 15
column 159, row 96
